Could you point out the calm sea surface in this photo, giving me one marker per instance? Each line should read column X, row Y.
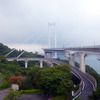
column 91, row 60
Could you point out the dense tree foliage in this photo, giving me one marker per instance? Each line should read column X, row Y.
column 16, row 80
column 4, row 50
column 55, row 80
column 95, row 95
column 9, row 67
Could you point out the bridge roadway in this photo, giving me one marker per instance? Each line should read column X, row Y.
column 36, row 59
column 87, row 86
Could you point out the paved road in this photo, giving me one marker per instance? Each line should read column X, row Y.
column 87, row 89
column 36, row 96
column 4, row 93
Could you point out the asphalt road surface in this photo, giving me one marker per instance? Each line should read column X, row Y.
column 87, row 88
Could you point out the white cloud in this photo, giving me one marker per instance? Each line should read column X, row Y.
column 76, row 20
column 28, row 47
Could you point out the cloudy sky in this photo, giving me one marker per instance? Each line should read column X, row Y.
column 24, row 23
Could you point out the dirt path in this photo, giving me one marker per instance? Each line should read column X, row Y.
column 4, row 93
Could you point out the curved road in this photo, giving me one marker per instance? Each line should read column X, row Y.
column 87, row 87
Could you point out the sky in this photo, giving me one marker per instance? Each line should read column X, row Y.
column 24, row 23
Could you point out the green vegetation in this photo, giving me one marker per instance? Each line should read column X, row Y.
column 56, row 81
column 96, row 94
column 78, row 99
column 4, row 84
column 92, row 72
column 13, row 95
column 58, row 98
column 31, row 91
column 4, row 50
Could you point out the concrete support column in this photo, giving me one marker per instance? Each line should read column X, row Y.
column 45, row 54
column 26, row 63
column 67, row 54
column 51, row 55
column 82, row 62
column 71, row 60
column 55, row 54
column 41, row 64
column 51, row 65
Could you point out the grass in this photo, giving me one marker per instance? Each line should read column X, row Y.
column 31, row 91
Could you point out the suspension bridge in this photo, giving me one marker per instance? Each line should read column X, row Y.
column 87, row 82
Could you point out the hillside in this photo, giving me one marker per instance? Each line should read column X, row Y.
column 5, row 49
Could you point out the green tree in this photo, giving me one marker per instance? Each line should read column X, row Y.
column 56, row 80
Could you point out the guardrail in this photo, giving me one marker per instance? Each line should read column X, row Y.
column 93, row 80
column 90, row 78
column 81, row 82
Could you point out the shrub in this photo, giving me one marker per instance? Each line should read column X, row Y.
column 59, row 98
column 4, row 84
column 31, row 91
column 13, row 95
column 56, row 80
column 16, row 80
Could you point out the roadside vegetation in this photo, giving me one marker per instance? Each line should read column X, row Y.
column 57, row 81
column 96, row 94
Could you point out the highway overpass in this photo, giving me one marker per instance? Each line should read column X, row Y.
column 72, row 53
column 87, row 83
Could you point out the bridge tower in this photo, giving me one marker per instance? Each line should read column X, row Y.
column 52, row 39
column 52, row 35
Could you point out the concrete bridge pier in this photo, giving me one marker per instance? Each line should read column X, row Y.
column 82, row 62
column 72, row 60
column 26, row 63
column 49, row 55
column 45, row 55
column 41, row 64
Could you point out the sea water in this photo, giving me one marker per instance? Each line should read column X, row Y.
column 91, row 60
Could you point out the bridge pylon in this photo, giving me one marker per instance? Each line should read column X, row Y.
column 72, row 60
column 26, row 63
column 82, row 62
